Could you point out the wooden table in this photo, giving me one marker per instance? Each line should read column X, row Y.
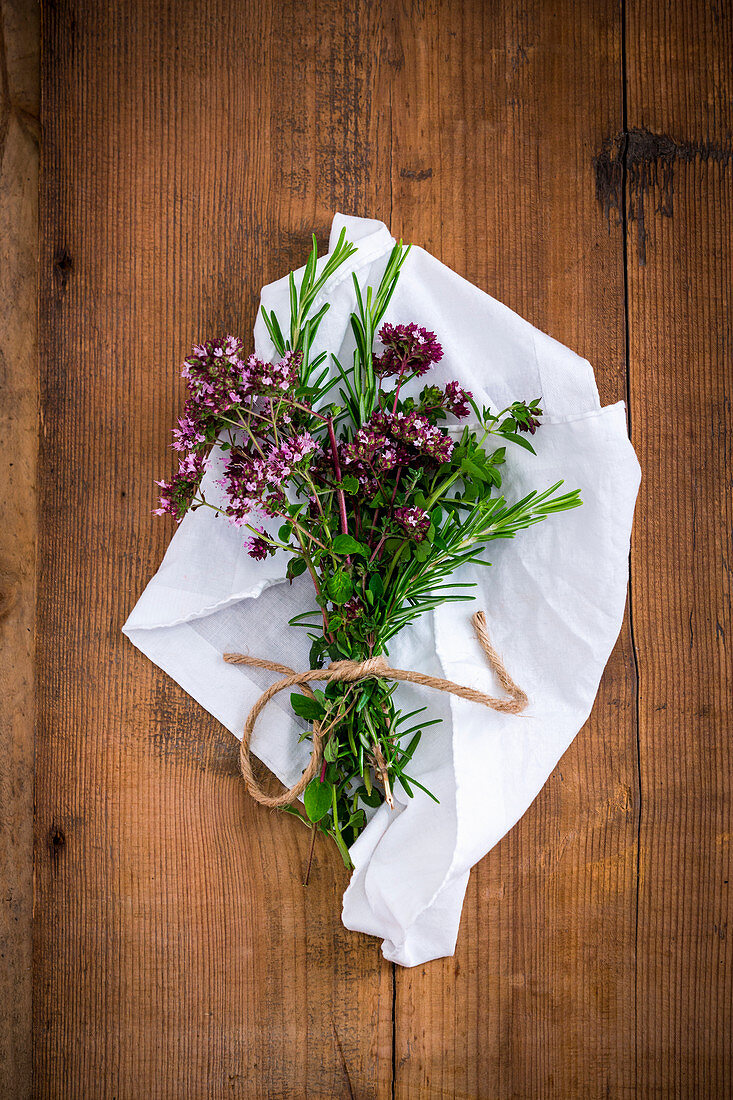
column 573, row 159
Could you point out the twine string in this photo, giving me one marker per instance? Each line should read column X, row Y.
column 351, row 672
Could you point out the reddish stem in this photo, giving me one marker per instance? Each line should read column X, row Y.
column 377, row 548
column 379, row 545
column 310, row 856
column 337, row 471
column 399, row 383
column 394, row 491
column 316, row 585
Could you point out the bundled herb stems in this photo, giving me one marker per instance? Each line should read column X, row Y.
column 368, row 492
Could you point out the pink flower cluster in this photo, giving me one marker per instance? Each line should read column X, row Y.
column 228, row 389
column 529, row 424
column 214, row 374
column 262, row 379
column 254, row 481
column 407, row 350
column 394, row 439
column 222, row 384
column 456, row 399
column 414, row 522
column 257, row 548
column 352, row 609
column 176, row 495
column 415, row 429
column 188, row 434
column 220, row 380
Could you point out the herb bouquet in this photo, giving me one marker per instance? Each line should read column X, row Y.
column 367, row 482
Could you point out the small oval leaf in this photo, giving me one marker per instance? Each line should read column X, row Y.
column 339, row 587
column 347, row 544
column 317, row 799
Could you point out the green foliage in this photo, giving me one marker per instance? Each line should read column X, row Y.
column 340, row 587
column 346, row 544
column 296, row 566
column 310, row 709
column 317, row 799
column 373, row 575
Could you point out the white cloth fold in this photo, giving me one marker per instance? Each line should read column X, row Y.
column 554, row 602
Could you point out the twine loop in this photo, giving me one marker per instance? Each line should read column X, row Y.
column 351, row 672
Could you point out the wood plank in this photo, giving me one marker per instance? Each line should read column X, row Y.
column 190, row 148
column 19, row 87
column 506, row 107
column 189, row 152
column 679, row 195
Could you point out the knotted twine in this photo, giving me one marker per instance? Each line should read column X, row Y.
column 351, row 672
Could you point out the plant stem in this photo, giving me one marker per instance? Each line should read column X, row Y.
column 394, row 491
column 441, row 489
column 337, row 471
column 377, row 548
column 306, row 557
column 397, row 388
column 384, row 774
column 397, row 554
column 310, row 855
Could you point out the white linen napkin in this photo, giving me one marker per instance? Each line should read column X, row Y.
column 554, row 602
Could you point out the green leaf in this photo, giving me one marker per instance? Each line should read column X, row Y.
column 317, row 799
column 350, row 484
column 357, row 820
column 346, row 544
column 333, row 688
column 340, row 587
column 422, row 551
column 520, row 441
column 366, row 693
column 407, row 754
column 470, row 467
column 285, row 532
column 274, row 330
column 317, row 650
column 344, row 851
column 376, row 587
column 307, row 708
column 414, row 781
column 371, row 798
column 296, row 566
column 406, row 785
column 293, row 298
column 331, row 751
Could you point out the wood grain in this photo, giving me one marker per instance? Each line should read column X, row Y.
column 177, row 953
column 680, row 280
column 539, row 998
column 19, row 133
column 574, row 160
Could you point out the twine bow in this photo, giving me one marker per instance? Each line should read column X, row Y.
column 352, row 672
